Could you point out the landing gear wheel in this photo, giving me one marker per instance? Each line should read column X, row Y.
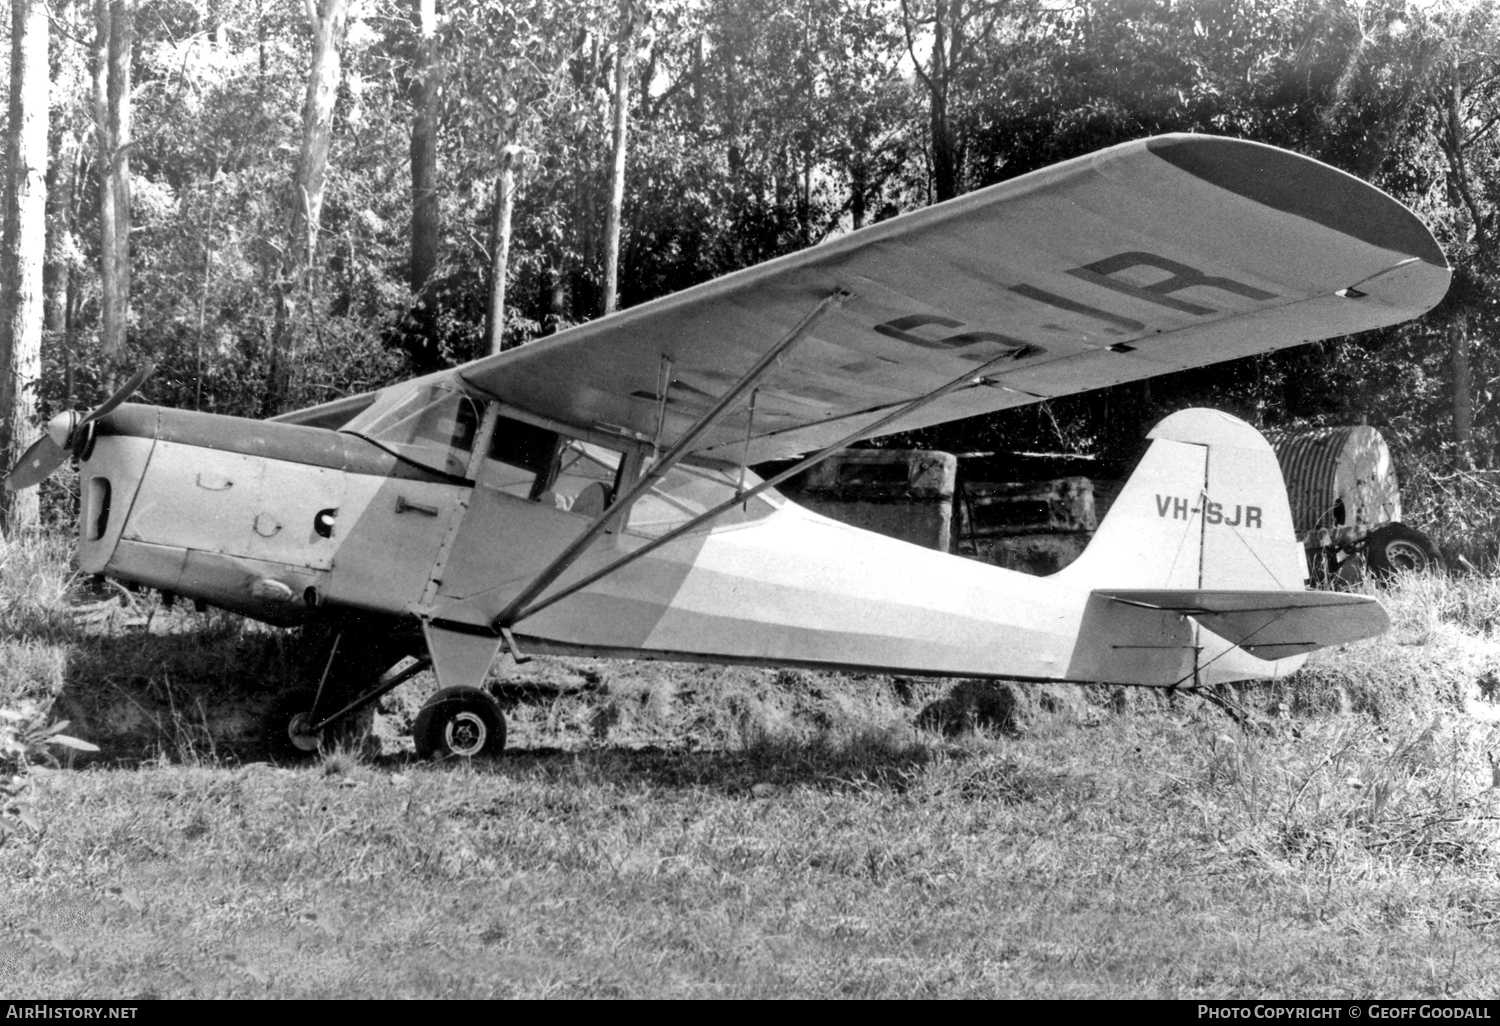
column 287, row 736
column 1396, row 548
column 459, row 723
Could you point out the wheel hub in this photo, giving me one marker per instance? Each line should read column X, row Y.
column 303, row 739
column 466, row 734
column 1403, row 555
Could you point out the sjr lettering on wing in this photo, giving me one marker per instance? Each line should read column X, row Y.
column 1121, row 274
column 1178, row 508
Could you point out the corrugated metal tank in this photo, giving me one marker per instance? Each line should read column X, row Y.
column 1338, row 477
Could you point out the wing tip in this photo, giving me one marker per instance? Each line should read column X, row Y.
column 1302, row 186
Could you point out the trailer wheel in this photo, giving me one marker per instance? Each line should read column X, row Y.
column 459, row 723
column 1396, row 548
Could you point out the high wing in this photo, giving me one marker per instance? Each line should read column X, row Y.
column 1145, row 258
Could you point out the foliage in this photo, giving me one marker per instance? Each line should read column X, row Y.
column 25, row 740
column 758, row 128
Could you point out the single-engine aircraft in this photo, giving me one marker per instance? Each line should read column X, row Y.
column 588, row 493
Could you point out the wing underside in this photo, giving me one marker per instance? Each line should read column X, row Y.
column 1142, row 259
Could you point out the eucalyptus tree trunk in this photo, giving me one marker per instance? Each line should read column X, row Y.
column 624, row 57
column 328, row 22
column 946, row 46
column 22, row 247
column 948, row 42
column 59, row 301
column 113, row 41
column 1451, row 139
column 505, row 203
column 424, row 194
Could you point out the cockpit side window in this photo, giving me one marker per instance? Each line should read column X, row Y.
column 521, row 458
column 586, row 479
column 688, row 490
column 433, row 426
column 537, row 463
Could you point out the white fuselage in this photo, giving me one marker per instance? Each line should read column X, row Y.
column 240, row 530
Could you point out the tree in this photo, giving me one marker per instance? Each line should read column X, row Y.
column 514, row 106
column 500, row 235
column 327, row 21
column 1416, row 95
column 113, row 44
column 22, row 249
column 624, row 58
column 426, row 229
column 958, row 29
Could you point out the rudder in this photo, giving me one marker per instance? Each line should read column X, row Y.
column 1206, row 509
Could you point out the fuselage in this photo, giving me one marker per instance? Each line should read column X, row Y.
column 432, row 507
column 245, row 514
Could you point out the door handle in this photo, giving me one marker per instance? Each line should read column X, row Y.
column 402, row 506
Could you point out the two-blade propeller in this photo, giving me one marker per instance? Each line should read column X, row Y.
column 65, row 436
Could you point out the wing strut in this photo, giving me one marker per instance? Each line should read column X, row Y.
column 679, row 449
column 510, row 616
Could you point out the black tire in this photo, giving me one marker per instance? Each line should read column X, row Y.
column 1396, row 548
column 287, row 739
column 459, row 723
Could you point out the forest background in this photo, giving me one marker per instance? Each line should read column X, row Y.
column 282, row 202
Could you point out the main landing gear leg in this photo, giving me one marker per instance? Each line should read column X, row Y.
column 463, row 722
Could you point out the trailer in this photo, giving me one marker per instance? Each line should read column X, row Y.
column 1346, row 505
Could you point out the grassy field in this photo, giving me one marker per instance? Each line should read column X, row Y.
column 662, row 830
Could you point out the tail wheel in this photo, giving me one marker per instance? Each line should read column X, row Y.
column 1396, row 548
column 459, row 723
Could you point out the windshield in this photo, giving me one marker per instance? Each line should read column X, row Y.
column 433, row 426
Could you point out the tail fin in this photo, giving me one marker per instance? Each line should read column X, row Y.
column 1206, row 509
column 1203, row 530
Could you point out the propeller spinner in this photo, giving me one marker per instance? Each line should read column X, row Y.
column 65, row 435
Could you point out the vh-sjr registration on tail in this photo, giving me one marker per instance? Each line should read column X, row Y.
column 588, row 493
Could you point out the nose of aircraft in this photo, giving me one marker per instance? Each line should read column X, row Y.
column 63, row 435
column 60, row 428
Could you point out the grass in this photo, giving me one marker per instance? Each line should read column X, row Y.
column 696, row 831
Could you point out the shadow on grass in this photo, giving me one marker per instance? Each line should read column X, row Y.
column 193, row 695
column 885, row 760
column 192, row 689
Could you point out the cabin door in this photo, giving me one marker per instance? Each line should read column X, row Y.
column 535, row 491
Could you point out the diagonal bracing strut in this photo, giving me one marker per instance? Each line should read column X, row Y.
column 967, row 380
column 680, row 448
column 387, row 682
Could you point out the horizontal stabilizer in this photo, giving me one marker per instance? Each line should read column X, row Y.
column 1269, row 624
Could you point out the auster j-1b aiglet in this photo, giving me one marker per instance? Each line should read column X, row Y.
column 588, row 493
